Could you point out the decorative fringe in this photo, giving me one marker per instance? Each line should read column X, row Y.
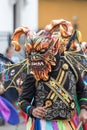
column 32, row 127
column 29, row 124
column 48, row 125
column 43, row 124
column 75, row 120
column 54, row 125
column 61, row 125
column 78, row 108
column 37, row 124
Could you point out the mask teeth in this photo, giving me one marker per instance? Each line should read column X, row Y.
column 37, row 63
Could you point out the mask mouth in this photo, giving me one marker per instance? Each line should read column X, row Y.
column 39, row 64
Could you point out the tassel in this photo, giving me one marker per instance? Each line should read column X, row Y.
column 61, row 125
column 43, row 124
column 54, row 125
column 32, row 127
column 49, row 125
column 37, row 124
column 29, row 123
column 75, row 120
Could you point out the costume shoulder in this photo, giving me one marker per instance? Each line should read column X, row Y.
column 29, row 80
column 67, row 64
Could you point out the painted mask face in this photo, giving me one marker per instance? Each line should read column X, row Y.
column 42, row 47
column 41, row 54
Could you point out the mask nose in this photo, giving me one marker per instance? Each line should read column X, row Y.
column 34, row 56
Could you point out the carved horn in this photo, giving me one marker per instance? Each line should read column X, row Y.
column 65, row 27
column 19, row 31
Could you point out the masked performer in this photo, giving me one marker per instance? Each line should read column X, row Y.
column 52, row 87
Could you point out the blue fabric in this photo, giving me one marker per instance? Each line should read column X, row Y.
column 1, row 116
column 37, row 124
column 11, row 94
column 85, row 82
column 14, row 118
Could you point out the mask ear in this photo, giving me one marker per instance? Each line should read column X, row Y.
column 19, row 31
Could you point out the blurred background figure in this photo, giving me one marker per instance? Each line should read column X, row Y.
column 11, row 94
column 2, row 122
column 10, row 55
column 1, row 88
column 1, row 84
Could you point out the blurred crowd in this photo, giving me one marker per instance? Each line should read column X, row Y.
column 12, row 94
column 10, row 55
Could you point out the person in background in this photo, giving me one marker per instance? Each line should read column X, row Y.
column 1, row 84
column 10, row 55
column 1, row 88
column 2, row 122
column 11, row 94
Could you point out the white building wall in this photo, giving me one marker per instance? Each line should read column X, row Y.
column 26, row 15
column 29, row 13
column 6, row 16
column 6, row 23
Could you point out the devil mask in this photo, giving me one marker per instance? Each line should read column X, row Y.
column 42, row 47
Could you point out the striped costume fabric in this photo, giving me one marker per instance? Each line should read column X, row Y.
column 37, row 124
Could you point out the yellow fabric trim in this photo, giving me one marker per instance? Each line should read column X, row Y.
column 52, row 96
column 61, row 77
column 72, row 68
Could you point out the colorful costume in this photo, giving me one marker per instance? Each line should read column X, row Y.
column 12, row 94
column 53, row 80
column 8, row 112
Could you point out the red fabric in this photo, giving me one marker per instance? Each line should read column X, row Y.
column 85, row 126
column 32, row 127
column 24, row 115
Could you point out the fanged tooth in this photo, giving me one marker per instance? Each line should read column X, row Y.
column 39, row 63
column 42, row 63
column 33, row 63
